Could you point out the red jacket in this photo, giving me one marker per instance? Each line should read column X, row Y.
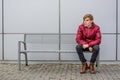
column 90, row 36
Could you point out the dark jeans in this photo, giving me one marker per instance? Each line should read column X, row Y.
column 80, row 51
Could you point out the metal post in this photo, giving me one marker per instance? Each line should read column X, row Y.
column 19, row 56
column 116, row 30
column 2, row 30
column 59, row 33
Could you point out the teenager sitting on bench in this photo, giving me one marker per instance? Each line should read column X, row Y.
column 88, row 38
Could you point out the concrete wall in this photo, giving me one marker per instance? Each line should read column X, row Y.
column 42, row 16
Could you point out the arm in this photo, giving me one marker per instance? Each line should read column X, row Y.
column 97, row 40
column 79, row 37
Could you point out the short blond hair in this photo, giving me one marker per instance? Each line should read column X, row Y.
column 88, row 16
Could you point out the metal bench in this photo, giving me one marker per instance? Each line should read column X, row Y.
column 40, row 39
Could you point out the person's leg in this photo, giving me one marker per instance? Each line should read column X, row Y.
column 79, row 50
column 93, row 58
column 95, row 53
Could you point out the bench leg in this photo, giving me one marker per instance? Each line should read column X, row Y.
column 19, row 60
column 97, row 64
column 26, row 60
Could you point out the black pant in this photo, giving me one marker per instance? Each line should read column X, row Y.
column 80, row 51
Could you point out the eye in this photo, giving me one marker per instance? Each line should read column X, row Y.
column 86, row 20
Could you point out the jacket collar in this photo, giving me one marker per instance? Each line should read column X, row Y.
column 93, row 24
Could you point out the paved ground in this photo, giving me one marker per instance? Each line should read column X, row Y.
column 57, row 72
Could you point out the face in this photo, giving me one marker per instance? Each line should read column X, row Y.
column 87, row 22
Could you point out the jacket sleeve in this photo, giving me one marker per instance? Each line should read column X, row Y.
column 97, row 40
column 79, row 37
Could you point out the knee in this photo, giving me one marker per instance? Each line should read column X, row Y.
column 96, row 47
column 79, row 47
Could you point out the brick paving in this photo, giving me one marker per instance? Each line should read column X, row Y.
column 57, row 72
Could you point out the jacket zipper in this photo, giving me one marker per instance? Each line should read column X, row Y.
column 88, row 32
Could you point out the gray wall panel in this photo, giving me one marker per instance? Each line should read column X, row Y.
column 11, row 46
column 108, row 47
column 72, row 11
column 43, row 56
column 31, row 16
column 11, row 49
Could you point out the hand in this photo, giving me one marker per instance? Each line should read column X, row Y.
column 90, row 49
column 85, row 46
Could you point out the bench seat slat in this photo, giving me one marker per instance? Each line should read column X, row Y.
column 52, row 51
column 45, row 51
